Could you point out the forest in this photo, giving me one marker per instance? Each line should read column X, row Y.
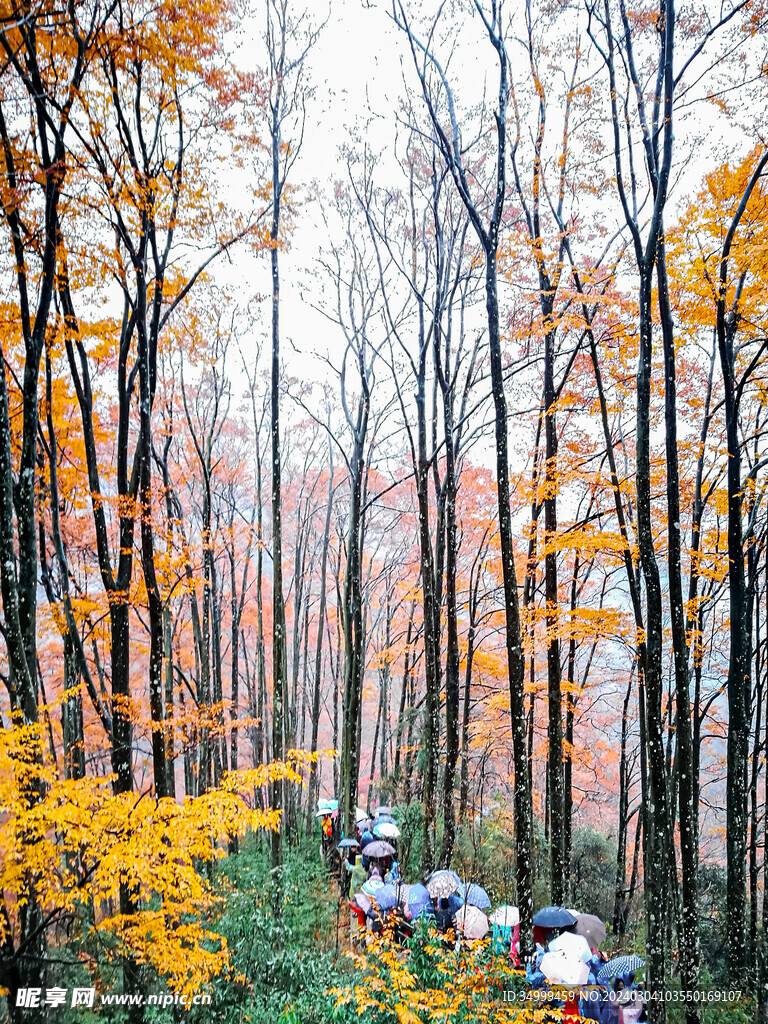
column 383, row 416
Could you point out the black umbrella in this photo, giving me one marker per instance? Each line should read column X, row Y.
column 592, row 928
column 554, row 917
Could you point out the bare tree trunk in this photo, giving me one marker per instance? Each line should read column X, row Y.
column 740, row 609
column 403, row 695
column 619, row 901
column 314, row 778
column 474, row 586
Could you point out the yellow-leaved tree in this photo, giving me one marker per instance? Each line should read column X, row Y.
column 75, row 842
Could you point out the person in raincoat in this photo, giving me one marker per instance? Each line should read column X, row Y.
column 357, row 877
column 621, row 1004
column 446, row 908
column 626, row 1001
column 393, row 875
column 366, row 837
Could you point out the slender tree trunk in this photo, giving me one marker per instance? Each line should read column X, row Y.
column 403, row 695
column 431, row 639
column 473, row 599
column 314, row 777
column 555, row 777
column 385, row 697
column 688, row 931
column 279, row 653
column 620, row 892
column 156, row 633
column 353, row 629
column 170, row 750
column 657, row 817
column 452, row 658
column 740, row 614
column 515, row 656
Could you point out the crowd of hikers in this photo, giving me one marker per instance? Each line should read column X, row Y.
column 568, row 966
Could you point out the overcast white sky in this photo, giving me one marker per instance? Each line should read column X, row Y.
column 356, row 70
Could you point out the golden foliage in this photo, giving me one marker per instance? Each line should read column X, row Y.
column 425, row 983
column 74, row 844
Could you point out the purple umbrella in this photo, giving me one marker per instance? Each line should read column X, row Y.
column 379, row 849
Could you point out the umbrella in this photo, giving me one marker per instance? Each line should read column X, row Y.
column 386, row 897
column 363, row 901
column 505, row 917
column 476, row 895
column 418, row 900
column 591, row 927
column 554, row 917
column 442, row 883
column 384, row 819
column 379, row 849
column 360, row 815
column 619, row 966
column 345, row 844
column 471, row 922
column 383, row 810
column 373, row 883
column 574, row 946
column 324, row 812
column 563, row 970
column 386, row 830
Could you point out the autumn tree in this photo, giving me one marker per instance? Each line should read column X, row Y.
column 485, row 208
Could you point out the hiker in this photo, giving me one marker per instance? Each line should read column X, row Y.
column 358, row 876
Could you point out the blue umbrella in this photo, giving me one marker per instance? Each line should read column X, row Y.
column 346, row 844
column 554, row 917
column 618, row 967
column 475, row 895
column 382, row 819
column 419, row 900
column 386, row 897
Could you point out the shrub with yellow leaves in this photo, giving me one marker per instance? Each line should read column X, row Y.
column 428, row 980
column 72, row 843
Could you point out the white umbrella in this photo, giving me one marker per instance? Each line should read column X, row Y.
column 360, row 815
column 505, row 917
column 471, row 922
column 574, row 946
column 386, row 830
column 442, row 883
column 563, row 970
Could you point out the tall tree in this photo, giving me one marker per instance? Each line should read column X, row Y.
column 288, row 40
column 487, row 225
